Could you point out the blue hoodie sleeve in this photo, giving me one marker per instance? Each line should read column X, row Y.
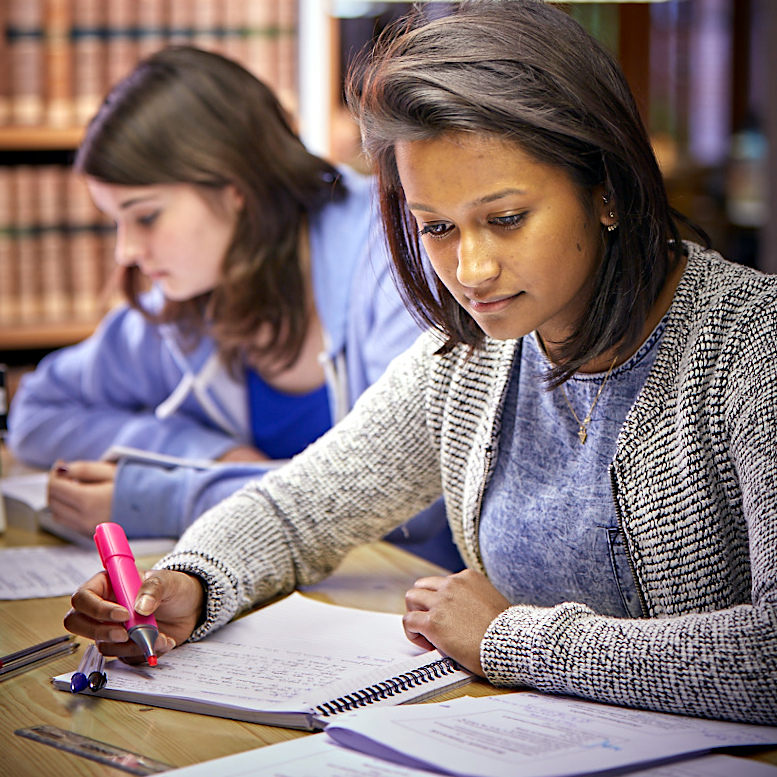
column 150, row 500
column 81, row 400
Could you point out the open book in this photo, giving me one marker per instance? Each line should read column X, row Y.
column 296, row 663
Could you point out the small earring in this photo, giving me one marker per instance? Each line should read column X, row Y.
column 610, row 227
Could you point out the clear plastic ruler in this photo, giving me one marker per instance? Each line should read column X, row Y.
column 93, row 750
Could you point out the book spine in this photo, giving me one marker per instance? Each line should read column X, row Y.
column 53, row 243
column 206, row 24
column 9, row 284
column 181, row 22
column 5, row 67
column 152, row 26
column 234, row 29
column 287, row 54
column 25, row 48
column 27, row 254
column 262, row 40
column 59, row 64
column 121, row 39
column 89, row 71
column 86, row 251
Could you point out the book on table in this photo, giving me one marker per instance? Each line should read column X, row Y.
column 296, row 663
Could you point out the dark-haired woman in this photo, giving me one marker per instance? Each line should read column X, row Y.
column 598, row 403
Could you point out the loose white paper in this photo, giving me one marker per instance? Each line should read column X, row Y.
column 40, row 572
column 534, row 735
column 319, row 756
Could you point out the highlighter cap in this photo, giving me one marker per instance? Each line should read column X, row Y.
column 111, row 541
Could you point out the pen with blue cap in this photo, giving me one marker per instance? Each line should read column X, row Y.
column 97, row 678
column 92, row 664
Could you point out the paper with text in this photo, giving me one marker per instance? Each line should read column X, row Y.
column 534, row 735
column 236, row 664
column 41, row 572
column 318, row 756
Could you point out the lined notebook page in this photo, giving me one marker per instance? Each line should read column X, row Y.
column 277, row 660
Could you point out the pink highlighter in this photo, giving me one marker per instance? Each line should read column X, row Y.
column 119, row 563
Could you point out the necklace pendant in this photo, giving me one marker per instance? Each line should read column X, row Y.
column 582, row 434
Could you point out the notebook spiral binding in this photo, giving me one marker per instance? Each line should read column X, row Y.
column 388, row 688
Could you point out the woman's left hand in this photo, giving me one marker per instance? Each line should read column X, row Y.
column 80, row 493
column 452, row 614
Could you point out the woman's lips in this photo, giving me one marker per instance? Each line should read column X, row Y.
column 493, row 305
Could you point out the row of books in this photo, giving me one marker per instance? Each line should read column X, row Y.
column 56, row 249
column 58, row 58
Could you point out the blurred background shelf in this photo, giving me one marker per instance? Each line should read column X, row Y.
column 704, row 73
column 40, row 138
column 44, row 336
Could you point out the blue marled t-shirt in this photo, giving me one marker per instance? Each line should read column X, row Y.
column 548, row 529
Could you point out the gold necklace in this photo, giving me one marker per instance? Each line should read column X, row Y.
column 582, row 432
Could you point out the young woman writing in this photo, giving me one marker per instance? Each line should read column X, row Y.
column 598, row 403
column 272, row 306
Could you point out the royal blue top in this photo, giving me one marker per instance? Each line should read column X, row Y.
column 283, row 425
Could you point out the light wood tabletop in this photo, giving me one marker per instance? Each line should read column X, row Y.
column 373, row 577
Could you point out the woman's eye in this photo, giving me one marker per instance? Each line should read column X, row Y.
column 508, row 222
column 435, row 230
column 148, row 220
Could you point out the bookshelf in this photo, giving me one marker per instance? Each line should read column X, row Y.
column 57, row 60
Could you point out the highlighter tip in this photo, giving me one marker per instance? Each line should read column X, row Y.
column 151, row 660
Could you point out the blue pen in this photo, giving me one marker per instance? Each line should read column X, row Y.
column 97, row 677
column 80, row 679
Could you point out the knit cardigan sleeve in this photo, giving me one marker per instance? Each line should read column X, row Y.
column 699, row 495
column 375, row 469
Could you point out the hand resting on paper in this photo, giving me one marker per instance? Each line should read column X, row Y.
column 80, row 493
column 176, row 600
column 453, row 614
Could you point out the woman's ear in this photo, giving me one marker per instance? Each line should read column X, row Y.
column 234, row 197
column 605, row 208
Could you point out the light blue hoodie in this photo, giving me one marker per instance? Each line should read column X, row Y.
column 135, row 384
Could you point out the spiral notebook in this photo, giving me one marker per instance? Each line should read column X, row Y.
column 297, row 663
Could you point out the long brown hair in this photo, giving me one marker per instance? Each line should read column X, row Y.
column 524, row 71
column 190, row 116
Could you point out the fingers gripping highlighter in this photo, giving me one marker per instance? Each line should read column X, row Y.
column 119, row 563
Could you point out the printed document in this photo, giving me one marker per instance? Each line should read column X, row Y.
column 534, row 735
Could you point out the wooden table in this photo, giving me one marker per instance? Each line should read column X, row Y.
column 373, row 577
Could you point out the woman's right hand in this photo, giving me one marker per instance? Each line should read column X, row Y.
column 175, row 598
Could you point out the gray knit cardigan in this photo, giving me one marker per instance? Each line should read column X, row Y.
column 694, row 481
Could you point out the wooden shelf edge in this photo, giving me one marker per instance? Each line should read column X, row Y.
column 54, row 335
column 16, row 138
